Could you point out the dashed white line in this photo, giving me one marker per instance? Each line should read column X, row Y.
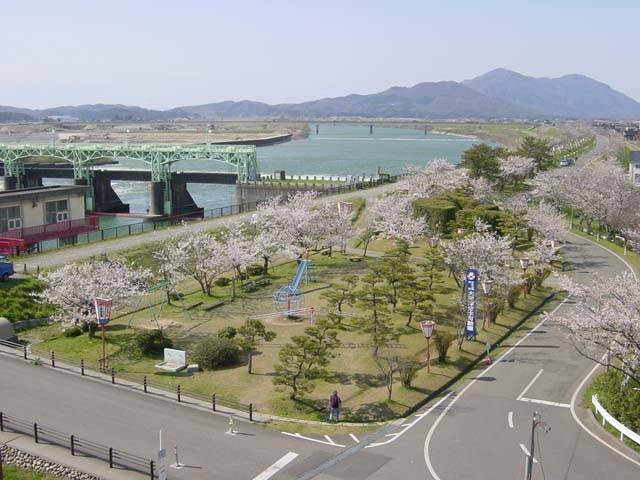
column 526, row 452
column 354, row 438
column 545, row 402
column 276, row 467
column 530, row 383
column 297, row 435
column 510, row 419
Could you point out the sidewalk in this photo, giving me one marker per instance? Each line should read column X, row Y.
column 63, row 457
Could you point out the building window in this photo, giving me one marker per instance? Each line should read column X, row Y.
column 10, row 218
column 56, row 211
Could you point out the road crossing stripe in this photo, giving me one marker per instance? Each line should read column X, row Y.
column 355, row 439
column 526, row 452
column 545, row 402
column 276, row 467
column 530, row 383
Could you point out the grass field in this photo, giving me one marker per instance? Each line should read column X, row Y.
column 15, row 473
column 353, row 371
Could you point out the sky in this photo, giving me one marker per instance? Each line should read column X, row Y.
column 166, row 53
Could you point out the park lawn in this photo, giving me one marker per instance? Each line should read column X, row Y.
column 353, row 371
column 12, row 472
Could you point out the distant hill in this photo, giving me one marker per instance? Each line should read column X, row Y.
column 499, row 94
column 568, row 96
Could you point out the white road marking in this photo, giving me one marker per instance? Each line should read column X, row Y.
column 545, row 402
column 395, row 436
column 510, row 419
column 427, row 440
column 355, row 439
column 276, row 467
column 297, row 435
column 526, row 452
column 530, row 383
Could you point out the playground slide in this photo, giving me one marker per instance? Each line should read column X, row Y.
column 302, row 267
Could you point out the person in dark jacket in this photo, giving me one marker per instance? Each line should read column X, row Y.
column 334, row 407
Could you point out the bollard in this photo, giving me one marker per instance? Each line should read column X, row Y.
column 35, row 432
column 24, row 351
column 53, row 359
column 178, row 392
column 73, row 446
column 231, row 430
column 25, row 268
column 144, row 384
column 1, row 423
column 213, row 402
column 110, row 457
column 251, row 412
column 82, row 367
column 113, row 376
column 151, row 470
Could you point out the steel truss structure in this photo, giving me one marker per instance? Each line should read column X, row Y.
column 159, row 157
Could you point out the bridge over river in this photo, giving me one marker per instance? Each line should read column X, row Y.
column 26, row 166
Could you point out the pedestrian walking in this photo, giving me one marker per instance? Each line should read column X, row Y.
column 334, row 407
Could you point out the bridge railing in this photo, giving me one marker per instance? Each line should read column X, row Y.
column 611, row 420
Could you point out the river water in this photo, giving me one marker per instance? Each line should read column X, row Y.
column 338, row 149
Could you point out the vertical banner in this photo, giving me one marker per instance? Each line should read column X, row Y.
column 471, row 285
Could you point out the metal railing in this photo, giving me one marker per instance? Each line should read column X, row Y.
column 178, row 392
column 78, row 445
column 611, row 420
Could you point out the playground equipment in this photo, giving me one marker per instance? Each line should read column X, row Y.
column 287, row 298
column 145, row 302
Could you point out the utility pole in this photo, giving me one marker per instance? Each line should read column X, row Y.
column 537, row 420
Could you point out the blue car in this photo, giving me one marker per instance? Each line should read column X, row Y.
column 6, row 269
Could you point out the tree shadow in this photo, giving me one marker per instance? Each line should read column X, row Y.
column 372, row 412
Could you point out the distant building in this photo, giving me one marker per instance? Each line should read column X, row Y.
column 634, row 166
column 29, row 216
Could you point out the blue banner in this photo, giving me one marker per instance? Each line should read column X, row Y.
column 471, row 286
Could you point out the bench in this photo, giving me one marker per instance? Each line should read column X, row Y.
column 174, row 360
column 193, row 305
column 208, row 308
column 253, row 285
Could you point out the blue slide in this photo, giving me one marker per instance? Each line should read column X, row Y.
column 302, row 267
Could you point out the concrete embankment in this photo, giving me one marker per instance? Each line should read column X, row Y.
column 258, row 142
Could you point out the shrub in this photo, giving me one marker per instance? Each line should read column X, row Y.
column 73, row 331
column 408, row 371
column 437, row 210
column 222, row 281
column 215, row 352
column 254, row 270
column 443, row 341
column 227, row 332
column 150, row 342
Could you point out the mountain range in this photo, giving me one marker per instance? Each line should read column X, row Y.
column 498, row 94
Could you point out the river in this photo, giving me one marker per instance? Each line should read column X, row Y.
column 338, row 149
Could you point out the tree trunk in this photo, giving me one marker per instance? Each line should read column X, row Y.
column 366, row 246
column 265, row 267
column 249, row 361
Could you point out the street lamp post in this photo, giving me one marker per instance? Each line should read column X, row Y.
column 428, row 328
column 103, row 315
column 536, row 421
column 524, row 264
column 487, row 288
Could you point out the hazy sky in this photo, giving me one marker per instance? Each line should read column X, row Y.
column 166, row 53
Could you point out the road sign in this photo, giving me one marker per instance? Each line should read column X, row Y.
column 471, row 284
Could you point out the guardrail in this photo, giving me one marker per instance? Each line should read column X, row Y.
column 54, row 360
column 78, row 445
column 608, row 418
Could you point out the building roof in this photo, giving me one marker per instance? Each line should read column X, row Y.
column 41, row 192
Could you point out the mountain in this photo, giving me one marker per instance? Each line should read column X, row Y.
column 499, row 94
column 573, row 96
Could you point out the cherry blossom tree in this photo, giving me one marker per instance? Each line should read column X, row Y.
column 483, row 250
column 437, row 176
column 198, row 255
column 604, row 322
column 393, row 218
column 338, row 226
column 238, row 251
column 270, row 234
column 74, row 287
column 545, row 219
column 481, row 189
column 515, row 168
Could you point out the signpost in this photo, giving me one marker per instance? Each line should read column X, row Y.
column 471, row 285
column 428, row 327
column 162, row 464
column 103, row 314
